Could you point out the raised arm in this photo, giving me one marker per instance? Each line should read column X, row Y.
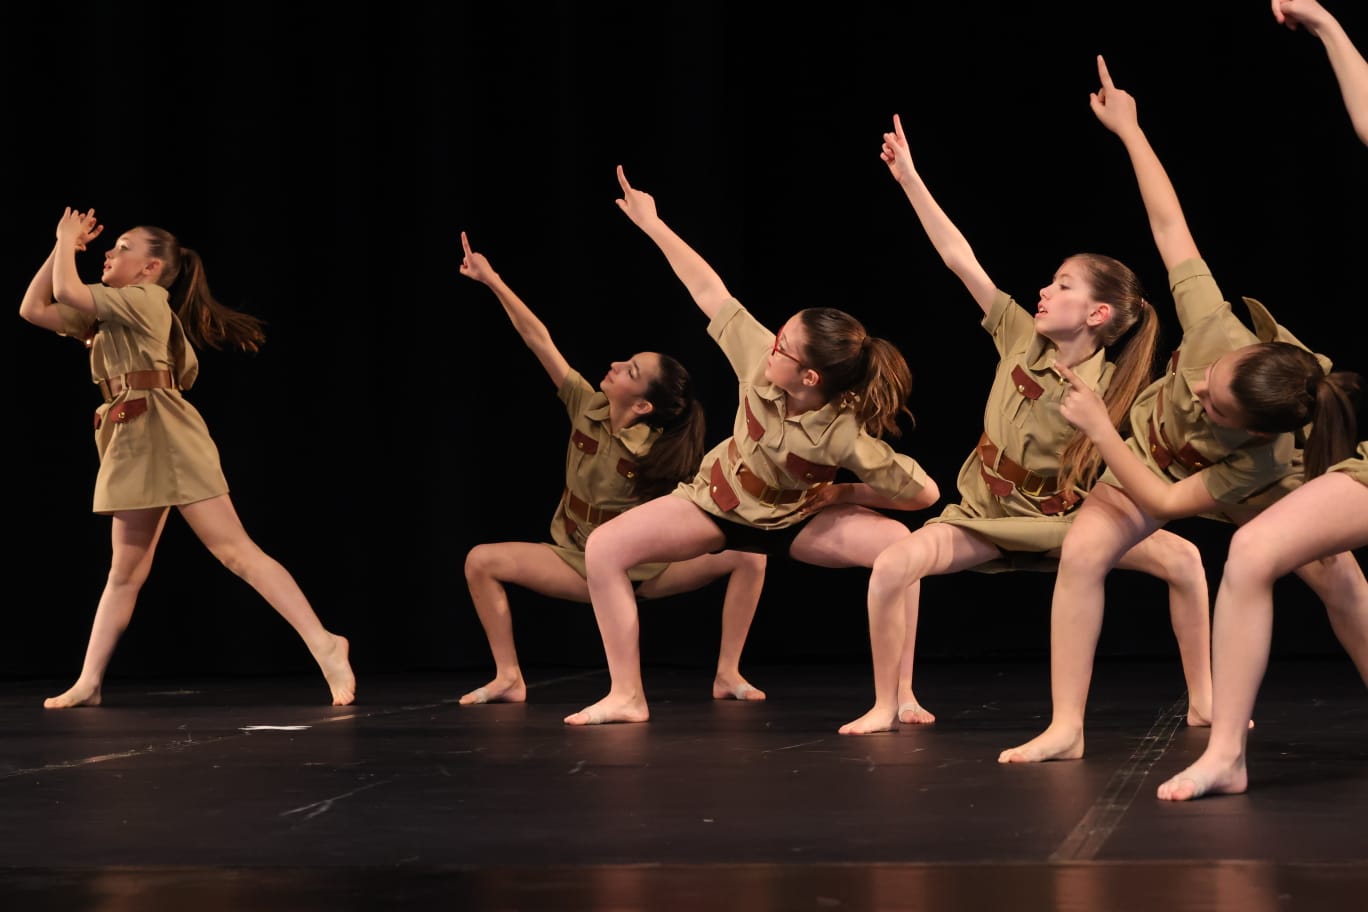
column 1116, row 110
column 702, row 282
column 1351, row 70
column 533, row 331
column 954, row 250
column 58, row 279
column 1163, row 500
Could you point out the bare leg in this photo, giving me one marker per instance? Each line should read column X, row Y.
column 488, row 568
column 894, row 586
column 669, row 528
column 134, row 536
column 1108, row 525
column 1178, row 562
column 745, row 579
column 216, row 524
column 1326, row 516
column 910, row 710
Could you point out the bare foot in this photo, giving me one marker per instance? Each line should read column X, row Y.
column 1051, row 744
column 499, row 690
column 877, row 719
column 611, row 709
column 79, row 695
column 338, row 672
column 911, row 712
column 1206, row 777
column 735, row 687
column 1196, row 719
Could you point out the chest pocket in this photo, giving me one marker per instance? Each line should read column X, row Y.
column 754, row 429
column 812, row 473
column 1022, row 398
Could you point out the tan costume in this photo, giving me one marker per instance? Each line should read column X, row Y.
column 1008, row 485
column 155, row 449
column 760, row 475
column 1356, row 466
column 600, row 468
column 1170, row 431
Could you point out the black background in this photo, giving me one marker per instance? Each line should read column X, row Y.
column 324, row 159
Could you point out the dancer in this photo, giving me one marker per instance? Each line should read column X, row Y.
column 1021, row 483
column 1321, row 520
column 154, row 447
column 635, row 438
column 1213, row 437
column 815, row 398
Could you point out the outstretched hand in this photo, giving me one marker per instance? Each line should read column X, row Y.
column 1082, row 406
column 474, row 265
column 895, row 152
column 639, row 205
column 1114, row 107
column 78, row 228
column 1294, row 13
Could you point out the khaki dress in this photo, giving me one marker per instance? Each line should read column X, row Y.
column 154, row 448
column 1170, row 430
column 600, row 472
column 1356, row 466
column 1023, row 423
column 786, row 456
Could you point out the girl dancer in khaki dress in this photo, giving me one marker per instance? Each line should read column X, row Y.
column 1323, row 518
column 815, row 398
column 1021, row 484
column 155, row 450
column 1216, row 436
column 634, row 438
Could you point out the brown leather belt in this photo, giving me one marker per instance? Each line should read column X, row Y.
column 756, row 487
column 1162, row 450
column 136, row 380
column 588, row 512
column 1165, row 455
column 1016, row 477
column 1027, row 482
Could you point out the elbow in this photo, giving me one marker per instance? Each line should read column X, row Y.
column 926, row 497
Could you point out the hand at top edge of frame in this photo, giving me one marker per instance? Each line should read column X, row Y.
column 1296, row 13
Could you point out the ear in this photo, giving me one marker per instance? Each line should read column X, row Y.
column 152, row 269
column 642, row 407
column 811, row 378
column 1101, row 313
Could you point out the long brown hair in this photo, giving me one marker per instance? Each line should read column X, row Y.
column 1131, row 338
column 206, row 321
column 1282, row 387
column 675, row 455
column 868, row 373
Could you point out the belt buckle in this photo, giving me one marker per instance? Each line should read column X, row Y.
column 1035, row 490
column 770, row 497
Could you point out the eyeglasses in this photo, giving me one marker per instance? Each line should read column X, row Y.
column 776, row 350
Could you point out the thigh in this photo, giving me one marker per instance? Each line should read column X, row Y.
column 531, row 565
column 694, row 573
column 940, row 548
column 846, row 536
column 134, row 535
column 215, row 522
column 1106, row 526
column 669, row 528
column 1326, row 516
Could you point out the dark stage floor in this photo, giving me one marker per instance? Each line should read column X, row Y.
column 246, row 794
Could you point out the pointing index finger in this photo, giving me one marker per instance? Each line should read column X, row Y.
column 622, row 179
column 465, row 244
column 1103, row 74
